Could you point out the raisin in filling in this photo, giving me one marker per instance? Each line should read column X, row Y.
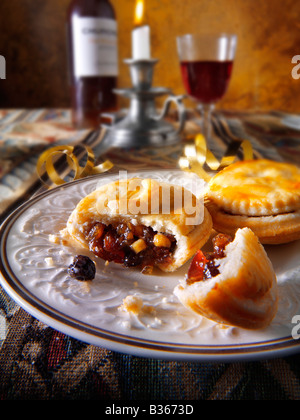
column 130, row 245
column 204, row 265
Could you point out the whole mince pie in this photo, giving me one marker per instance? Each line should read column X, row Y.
column 141, row 223
column 262, row 195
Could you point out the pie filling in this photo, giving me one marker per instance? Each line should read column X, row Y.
column 259, row 216
column 204, row 265
column 131, row 245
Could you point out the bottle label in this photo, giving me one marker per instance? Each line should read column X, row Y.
column 95, row 44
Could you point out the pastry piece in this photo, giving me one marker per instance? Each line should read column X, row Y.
column 235, row 285
column 141, row 223
column 260, row 194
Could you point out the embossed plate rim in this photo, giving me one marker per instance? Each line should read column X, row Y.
column 118, row 342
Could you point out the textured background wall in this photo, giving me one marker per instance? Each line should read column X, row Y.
column 32, row 38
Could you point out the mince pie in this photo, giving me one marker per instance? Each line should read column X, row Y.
column 141, row 223
column 260, row 194
column 233, row 285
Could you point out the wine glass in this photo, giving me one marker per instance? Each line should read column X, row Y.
column 206, row 65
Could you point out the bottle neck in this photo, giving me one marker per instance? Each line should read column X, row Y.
column 92, row 8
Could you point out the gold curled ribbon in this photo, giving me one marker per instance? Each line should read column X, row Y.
column 196, row 155
column 46, row 164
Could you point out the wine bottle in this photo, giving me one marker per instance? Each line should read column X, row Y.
column 93, row 60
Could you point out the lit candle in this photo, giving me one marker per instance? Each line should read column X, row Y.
column 141, row 49
column 141, row 43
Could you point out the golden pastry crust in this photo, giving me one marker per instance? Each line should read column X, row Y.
column 257, row 188
column 271, row 230
column 244, row 294
column 166, row 209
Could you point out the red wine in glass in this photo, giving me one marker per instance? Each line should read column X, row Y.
column 206, row 81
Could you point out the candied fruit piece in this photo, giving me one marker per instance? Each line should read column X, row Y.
column 161, row 240
column 203, row 265
column 139, row 246
column 197, row 267
column 220, row 242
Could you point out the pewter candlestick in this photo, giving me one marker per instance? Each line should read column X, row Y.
column 143, row 126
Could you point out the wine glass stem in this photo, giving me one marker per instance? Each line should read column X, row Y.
column 206, row 111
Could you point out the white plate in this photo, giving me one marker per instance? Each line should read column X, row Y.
column 34, row 273
column 292, row 121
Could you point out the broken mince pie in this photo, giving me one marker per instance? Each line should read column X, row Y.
column 141, row 223
column 234, row 285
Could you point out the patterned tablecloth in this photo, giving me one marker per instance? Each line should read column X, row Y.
column 38, row 362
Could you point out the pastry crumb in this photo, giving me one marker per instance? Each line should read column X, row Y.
column 49, row 261
column 135, row 305
column 149, row 309
column 158, row 321
column 132, row 304
column 61, row 239
column 54, row 238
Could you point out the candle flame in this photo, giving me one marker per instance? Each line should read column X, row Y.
column 139, row 12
